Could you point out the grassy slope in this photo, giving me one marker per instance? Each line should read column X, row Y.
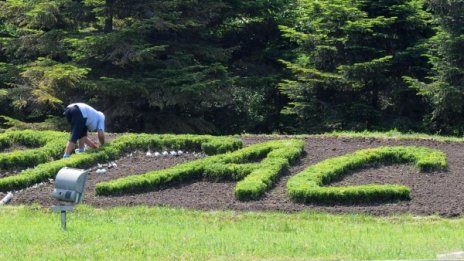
column 163, row 233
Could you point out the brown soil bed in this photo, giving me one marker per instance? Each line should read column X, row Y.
column 439, row 193
column 14, row 147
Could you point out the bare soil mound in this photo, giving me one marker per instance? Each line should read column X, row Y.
column 432, row 193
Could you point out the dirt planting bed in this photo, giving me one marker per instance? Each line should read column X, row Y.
column 440, row 192
column 15, row 147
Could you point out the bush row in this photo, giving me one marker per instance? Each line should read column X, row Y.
column 309, row 185
column 211, row 145
column 49, row 145
column 255, row 178
column 48, row 170
column 217, row 172
column 283, row 154
column 116, row 148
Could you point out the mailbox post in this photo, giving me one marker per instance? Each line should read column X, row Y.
column 69, row 188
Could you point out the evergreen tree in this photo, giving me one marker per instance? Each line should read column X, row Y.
column 143, row 61
column 251, row 31
column 444, row 89
column 350, row 58
column 35, row 74
column 212, row 66
column 171, row 65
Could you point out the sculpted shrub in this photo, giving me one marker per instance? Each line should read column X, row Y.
column 311, row 185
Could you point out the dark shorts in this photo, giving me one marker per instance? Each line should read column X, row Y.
column 77, row 121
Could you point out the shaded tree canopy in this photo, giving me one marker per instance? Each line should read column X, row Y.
column 444, row 88
column 236, row 66
column 350, row 57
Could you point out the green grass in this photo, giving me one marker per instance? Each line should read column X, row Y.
column 143, row 233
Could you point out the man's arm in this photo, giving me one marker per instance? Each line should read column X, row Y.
column 101, row 137
column 90, row 143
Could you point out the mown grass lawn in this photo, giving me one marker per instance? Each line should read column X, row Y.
column 161, row 233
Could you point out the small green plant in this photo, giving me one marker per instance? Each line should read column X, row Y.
column 311, row 184
column 47, row 146
column 255, row 178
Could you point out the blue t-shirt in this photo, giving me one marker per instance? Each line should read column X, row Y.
column 95, row 120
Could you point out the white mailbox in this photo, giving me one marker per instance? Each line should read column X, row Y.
column 70, row 184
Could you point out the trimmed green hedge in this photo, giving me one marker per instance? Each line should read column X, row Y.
column 112, row 150
column 50, row 146
column 255, row 178
column 310, row 184
column 211, row 145
column 283, row 154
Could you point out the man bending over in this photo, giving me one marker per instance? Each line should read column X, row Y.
column 83, row 118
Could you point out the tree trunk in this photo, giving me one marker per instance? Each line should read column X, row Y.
column 108, row 16
column 375, row 98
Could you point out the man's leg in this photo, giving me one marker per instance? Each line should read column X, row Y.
column 69, row 148
column 77, row 128
column 81, row 143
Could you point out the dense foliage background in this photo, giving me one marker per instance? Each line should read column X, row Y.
column 229, row 66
